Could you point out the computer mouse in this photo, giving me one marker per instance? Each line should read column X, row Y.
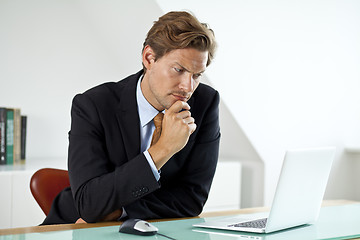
column 138, row 227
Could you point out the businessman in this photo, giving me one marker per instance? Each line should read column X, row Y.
column 146, row 146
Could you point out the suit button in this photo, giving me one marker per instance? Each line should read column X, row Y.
column 139, row 191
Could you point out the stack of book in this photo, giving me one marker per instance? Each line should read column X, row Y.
column 12, row 136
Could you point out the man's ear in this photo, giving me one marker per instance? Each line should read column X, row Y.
column 148, row 57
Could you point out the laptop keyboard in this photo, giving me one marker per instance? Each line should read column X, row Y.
column 259, row 223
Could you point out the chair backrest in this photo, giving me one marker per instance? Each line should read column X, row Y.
column 46, row 184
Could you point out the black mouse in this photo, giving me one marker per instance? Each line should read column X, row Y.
column 138, row 227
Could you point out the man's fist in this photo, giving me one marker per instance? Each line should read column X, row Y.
column 177, row 126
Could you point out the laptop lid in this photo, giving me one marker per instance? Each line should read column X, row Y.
column 300, row 188
column 298, row 195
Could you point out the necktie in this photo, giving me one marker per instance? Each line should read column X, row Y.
column 158, row 124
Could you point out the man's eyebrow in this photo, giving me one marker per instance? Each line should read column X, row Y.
column 189, row 70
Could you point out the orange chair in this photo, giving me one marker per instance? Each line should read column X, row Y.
column 46, row 184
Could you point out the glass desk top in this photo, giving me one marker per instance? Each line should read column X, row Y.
column 335, row 222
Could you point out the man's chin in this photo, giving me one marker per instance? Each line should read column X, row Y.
column 171, row 102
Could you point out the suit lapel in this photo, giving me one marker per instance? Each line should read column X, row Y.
column 128, row 116
column 191, row 101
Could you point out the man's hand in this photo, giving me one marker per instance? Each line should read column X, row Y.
column 114, row 216
column 177, row 126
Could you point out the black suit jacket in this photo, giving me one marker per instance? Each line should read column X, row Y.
column 108, row 172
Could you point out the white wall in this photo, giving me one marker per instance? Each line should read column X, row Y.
column 51, row 50
column 289, row 73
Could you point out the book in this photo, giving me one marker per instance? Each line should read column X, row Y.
column 2, row 136
column 9, row 136
column 23, row 137
column 13, row 127
column 17, row 136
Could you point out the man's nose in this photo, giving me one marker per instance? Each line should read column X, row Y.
column 187, row 83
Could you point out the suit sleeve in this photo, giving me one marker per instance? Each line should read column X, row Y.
column 98, row 185
column 186, row 195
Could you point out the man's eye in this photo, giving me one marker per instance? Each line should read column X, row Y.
column 178, row 70
column 196, row 76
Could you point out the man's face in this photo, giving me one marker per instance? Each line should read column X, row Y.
column 173, row 77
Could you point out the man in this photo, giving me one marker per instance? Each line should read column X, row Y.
column 115, row 171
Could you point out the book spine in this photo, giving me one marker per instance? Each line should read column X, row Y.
column 17, row 136
column 9, row 136
column 23, row 137
column 2, row 136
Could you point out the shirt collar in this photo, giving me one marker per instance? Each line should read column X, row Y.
column 146, row 111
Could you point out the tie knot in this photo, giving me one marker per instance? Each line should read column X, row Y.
column 158, row 120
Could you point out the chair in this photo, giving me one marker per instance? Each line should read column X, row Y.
column 46, row 184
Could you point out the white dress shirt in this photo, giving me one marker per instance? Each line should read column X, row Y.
column 147, row 126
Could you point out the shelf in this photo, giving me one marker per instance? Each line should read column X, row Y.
column 35, row 164
column 353, row 149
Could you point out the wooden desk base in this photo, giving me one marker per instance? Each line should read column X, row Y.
column 62, row 227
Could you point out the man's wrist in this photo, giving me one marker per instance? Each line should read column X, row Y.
column 152, row 165
column 159, row 155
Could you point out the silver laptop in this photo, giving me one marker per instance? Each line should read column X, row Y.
column 298, row 195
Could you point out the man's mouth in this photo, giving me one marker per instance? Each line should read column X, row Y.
column 180, row 97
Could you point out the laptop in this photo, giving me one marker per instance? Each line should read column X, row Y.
column 298, row 197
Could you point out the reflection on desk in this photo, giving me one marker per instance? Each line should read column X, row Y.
column 334, row 222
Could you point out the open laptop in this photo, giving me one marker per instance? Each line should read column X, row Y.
column 298, row 195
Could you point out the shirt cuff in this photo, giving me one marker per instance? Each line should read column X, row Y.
column 123, row 215
column 152, row 165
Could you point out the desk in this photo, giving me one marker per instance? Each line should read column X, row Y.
column 333, row 213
